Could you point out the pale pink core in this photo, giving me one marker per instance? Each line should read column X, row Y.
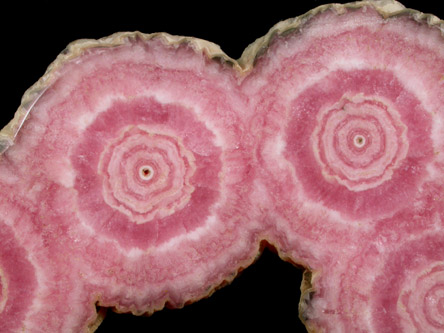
column 149, row 182
column 359, row 142
column 146, row 174
column 366, row 148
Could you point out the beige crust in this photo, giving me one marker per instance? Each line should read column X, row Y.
column 386, row 8
column 208, row 292
column 76, row 49
column 101, row 314
column 307, row 291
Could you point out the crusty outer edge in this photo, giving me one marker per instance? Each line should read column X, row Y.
column 386, row 8
column 254, row 254
column 100, row 317
column 77, row 48
column 307, row 291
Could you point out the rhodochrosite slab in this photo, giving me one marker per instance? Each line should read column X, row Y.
column 149, row 155
column 350, row 113
column 150, row 168
column 396, row 287
column 38, row 276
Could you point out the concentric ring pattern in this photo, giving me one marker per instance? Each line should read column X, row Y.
column 359, row 142
column 145, row 182
column 146, row 174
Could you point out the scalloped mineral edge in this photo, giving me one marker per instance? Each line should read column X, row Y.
column 386, row 8
column 243, row 65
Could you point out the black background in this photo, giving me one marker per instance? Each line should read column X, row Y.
column 265, row 294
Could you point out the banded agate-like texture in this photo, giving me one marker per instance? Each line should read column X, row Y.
column 145, row 171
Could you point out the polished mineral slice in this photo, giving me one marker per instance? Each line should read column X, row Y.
column 349, row 107
column 145, row 171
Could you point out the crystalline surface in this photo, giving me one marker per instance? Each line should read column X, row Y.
column 151, row 167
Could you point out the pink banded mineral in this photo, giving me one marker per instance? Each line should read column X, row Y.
column 156, row 166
